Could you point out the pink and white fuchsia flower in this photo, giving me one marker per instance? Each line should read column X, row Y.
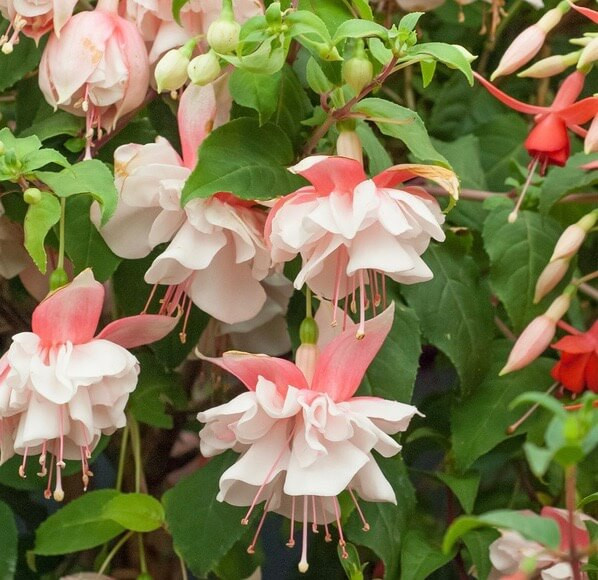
column 97, row 69
column 351, row 230
column 62, row 386
column 303, row 441
column 216, row 245
column 33, row 18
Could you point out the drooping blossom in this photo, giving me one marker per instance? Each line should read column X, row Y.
column 216, row 257
column 98, row 68
column 351, row 231
column 577, row 369
column 156, row 23
column 33, row 18
column 508, row 552
column 548, row 141
column 62, row 386
column 302, row 442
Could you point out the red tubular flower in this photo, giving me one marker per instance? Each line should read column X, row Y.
column 578, row 368
column 548, row 141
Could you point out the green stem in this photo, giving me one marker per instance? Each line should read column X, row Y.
column 142, row 561
column 114, row 551
column 121, row 459
column 308, row 307
column 136, row 445
column 60, row 264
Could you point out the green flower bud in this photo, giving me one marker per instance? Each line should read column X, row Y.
column 223, row 35
column 358, row 72
column 308, row 331
column 58, row 279
column 32, row 195
column 204, row 69
column 171, row 70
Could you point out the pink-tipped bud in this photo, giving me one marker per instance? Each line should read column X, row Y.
column 572, row 238
column 527, row 44
column 553, row 65
column 306, row 358
column 537, row 335
column 550, row 277
column 590, row 144
column 348, row 144
column 589, row 55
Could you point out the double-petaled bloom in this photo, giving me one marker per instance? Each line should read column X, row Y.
column 548, row 141
column 98, row 68
column 509, row 552
column 352, row 231
column 216, row 256
column 62, row 385
column 33, row 18
column 302, row 434
column 577, row 369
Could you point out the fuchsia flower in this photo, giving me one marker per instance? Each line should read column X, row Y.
column 302, row 442
column 33, row 18
column 577, row 370
column 97, row 69
column 216, row 245
column 62, row 386
column 351, row 230
column 508, row 552
column 548, row 141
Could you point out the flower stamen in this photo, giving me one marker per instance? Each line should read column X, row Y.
column 291, row 542
column 251, row 547
column 303, row 565
column 366, row 526
column 341, row 541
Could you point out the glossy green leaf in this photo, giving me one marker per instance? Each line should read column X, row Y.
column 138, row 512
column 256, row 91
column 39, row 220
column 478, row 543
column 419, row 558
column 445, row 53
column 465, row 487
column 8, row 543
column 359, row 29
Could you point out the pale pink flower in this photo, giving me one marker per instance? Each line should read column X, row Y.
column 350, row 229
column 590, row 143
column 304, row 442
column 508, row 552
column 97, row 69
column 33, row 18
column 62, row 386
column 13, row 257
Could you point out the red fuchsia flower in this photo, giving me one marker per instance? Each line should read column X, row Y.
column 578, row 368
column 303, row 442
column 33, row 18
column 62, row 386
column 509, row 552
column 548, row 141
column 351, row 231
column 587, row 12
column 97, row 69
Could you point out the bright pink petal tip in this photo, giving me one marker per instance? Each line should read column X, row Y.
column 330, row 173
column 134, row 331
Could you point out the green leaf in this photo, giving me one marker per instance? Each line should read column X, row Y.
column 359, row 29
column 350, row 563
column 428, row 68
column 203, row 529
column 588, row 500
column 177, row 6
column 316, row 78
column 563, row 180
column 24, row 58
column 79, row 525
column 37, row 159
column 363, row 9
column 256, row 91
column 308, row 24
column 445, row 53
column 401, row 123
column 392, row 373
column 58, row 123
column 92, row 177
column 40, row 218
column 388, row 522
column 454, row 310
column 84, row 245
column 244, row 159
column 8, row 543
column 465, row 487
column 530, row 526
column 419, row 558
column 138, row 512
column 538, row 458
column 480, row 419
column 518, row 254
column 478, row 543
column 409, row 21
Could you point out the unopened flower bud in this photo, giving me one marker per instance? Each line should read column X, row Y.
column 589, row 55
column 527, row 44
column 590, row 144
column 223, row 35
column 204, row 69
column 550, row 277
column 572, row 238
column 308, row 331
column 348, row 144
column 171, row 70
column 560, row 305
column 306, row 358
column 553, row 65
column 358, row 71
column 58, row 279
column 32, row 195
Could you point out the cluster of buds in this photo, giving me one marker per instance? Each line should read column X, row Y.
column 566, row 247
